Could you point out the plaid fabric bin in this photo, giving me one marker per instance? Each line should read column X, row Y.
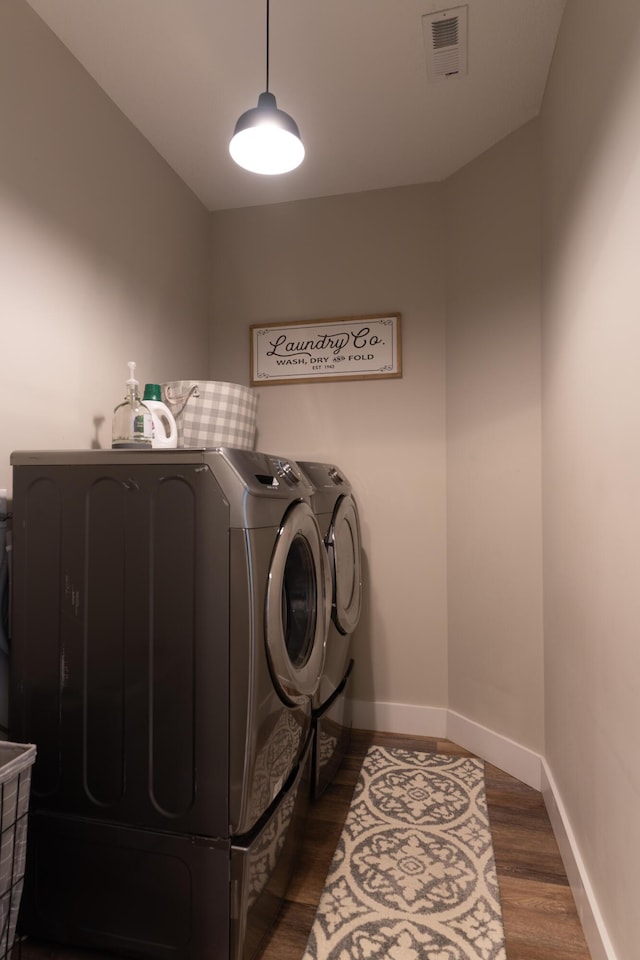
column 209, row 413
column 16, row 760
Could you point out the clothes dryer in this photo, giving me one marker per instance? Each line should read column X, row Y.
column 169, row 619
column 336, row 510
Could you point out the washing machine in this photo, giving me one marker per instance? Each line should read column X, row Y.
column 169, row 620
column 336, row 510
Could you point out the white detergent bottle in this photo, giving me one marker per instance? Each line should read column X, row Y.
column 165, row 431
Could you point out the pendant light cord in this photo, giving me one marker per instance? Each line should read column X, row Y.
column 270, row 147
column 267, row 46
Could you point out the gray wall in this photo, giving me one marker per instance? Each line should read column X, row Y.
column 445, row 461
column 370, row 252
column 591, row 430
column 494, row 528
column 102, row 251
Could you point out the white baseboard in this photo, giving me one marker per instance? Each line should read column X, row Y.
column 593, row 925
column 400, row 718
column 520, row 762
column 440, row 722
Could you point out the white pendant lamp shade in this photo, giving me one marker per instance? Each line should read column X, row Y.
column 266, row 140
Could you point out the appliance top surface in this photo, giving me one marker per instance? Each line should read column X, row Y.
column 21, row 458
column 250, row 471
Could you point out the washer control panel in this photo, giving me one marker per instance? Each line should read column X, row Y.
column 261, row 472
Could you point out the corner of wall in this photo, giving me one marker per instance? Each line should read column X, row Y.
column 518, row 761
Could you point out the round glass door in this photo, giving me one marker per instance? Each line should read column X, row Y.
column 298, row 605
column 343, row 546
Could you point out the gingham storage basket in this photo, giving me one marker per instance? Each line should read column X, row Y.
column 210, row 413
column 16, row 760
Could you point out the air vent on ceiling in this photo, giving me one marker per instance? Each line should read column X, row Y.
column 445, row 41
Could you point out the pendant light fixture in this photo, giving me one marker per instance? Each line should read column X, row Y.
column 266, row 140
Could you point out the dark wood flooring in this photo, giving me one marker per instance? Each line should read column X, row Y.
column 539, row 914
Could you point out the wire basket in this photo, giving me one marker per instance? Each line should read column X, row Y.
column 16, row 760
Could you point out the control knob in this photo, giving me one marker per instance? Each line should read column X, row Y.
column 287, row 473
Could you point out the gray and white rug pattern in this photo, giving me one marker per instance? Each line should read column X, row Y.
column 413, row 876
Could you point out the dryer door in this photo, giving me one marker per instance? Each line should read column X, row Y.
column 298, row 605
column 343, row 548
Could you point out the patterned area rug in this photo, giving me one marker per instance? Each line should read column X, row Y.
column 413, row 876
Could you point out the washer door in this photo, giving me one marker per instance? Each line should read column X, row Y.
column 298, row 605
column 343, row 548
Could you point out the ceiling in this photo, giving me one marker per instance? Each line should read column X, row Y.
column 352, row 73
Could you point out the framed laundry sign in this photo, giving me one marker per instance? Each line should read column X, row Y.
column 365, row 347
